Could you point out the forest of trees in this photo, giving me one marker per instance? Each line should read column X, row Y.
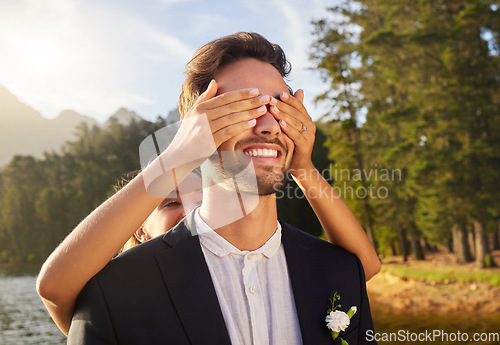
column 414, row 87
column 411, row 140
column 42, row 200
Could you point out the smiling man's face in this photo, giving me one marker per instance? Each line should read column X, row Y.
column 269, row 148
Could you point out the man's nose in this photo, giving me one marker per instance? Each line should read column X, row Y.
column 267, row 125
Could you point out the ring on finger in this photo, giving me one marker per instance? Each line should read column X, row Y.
column 303, row 129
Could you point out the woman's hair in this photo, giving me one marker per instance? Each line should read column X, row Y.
column 122, row 182
column 210, row 58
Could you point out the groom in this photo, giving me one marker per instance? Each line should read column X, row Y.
column 231, row 272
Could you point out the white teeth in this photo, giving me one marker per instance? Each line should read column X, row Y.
column 262, row 153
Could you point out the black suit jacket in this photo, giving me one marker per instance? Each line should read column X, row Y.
column 161, row 292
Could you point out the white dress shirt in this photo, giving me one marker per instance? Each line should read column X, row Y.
column 253, row 289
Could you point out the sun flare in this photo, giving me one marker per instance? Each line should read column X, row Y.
column 40, row 60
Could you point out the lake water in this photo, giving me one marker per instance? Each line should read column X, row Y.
column 24, row 320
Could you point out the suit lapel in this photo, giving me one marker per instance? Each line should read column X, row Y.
column 308, row 285
column 190, row 286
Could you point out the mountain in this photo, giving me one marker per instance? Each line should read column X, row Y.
column 25, row 131
column 173, row 116
column 62, row 128
column 125, row 116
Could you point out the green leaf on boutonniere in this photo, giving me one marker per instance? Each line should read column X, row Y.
column 352, row 311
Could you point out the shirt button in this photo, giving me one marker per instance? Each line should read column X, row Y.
column 252, row 289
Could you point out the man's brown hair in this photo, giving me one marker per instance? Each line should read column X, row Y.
column 210, row 58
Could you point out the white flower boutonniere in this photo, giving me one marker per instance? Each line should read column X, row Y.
column 336, row 320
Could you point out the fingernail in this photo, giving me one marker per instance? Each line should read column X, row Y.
column 264, row 99
column 283, row 123
column 275, row 108
column 254, row 92
column 252, row 122
column 273, row 101
column 284, row 96
column 262, row 109
column 209, row 85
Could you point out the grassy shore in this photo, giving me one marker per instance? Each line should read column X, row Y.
column 436, row 284
column 445, row 274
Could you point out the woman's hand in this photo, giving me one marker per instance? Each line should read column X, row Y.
column 296, row 123
column 212, row 120
column 228, row 114
column 339, row 223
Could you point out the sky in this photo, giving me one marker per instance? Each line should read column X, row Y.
column 96, row 56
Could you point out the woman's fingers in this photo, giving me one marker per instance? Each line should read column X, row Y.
column 209, row 93
column 238, row 106
column 233, row 130
column 234, row 111
column 293, row 112
column 231, row 113
column 234, row 118
column 295, row 102
column 231, row 107
column 280, row 113
column 304, row 142
column 298, row 135
column 296, row 123
column 299, row 94
column 230, row 97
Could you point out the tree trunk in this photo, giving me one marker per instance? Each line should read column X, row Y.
column 402, row 242
column 483, row 254
column 427, row 247
column 368, row 226
column 495, row 238
column 472, row 243
column 393, row 249
column 461, row 244
column 449, row 245
column 416, row 248
column 495, row 241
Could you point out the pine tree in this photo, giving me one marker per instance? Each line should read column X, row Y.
column 427, row 77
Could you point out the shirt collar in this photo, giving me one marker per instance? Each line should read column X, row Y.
column 217, row 245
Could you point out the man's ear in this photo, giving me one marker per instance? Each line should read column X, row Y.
column 141, row 235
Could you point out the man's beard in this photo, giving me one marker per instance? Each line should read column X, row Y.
column 235, row 170
column 272, row 180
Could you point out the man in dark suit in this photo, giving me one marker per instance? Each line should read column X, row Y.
column 232, row 272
